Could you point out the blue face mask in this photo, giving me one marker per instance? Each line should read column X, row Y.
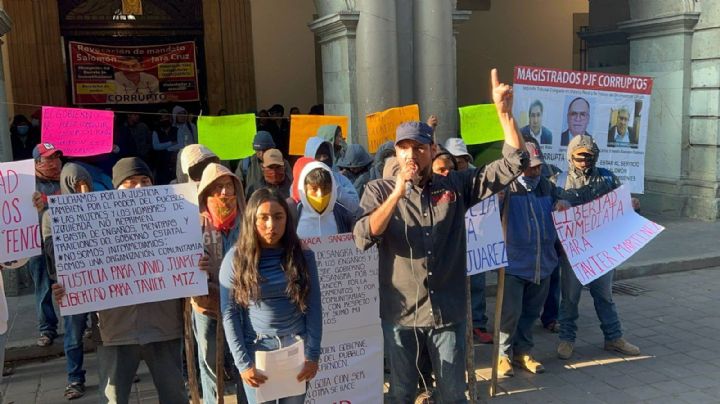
column 22, row 130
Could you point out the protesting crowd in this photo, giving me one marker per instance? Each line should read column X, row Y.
column 408, row 200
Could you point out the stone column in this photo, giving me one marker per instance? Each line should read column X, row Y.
column 377, row 60
column 704, row 135
column 434, row 47
column 5, row 144
column 336, row 35
column 660, row 34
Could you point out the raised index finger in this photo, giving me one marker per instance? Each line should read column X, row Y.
column 494, row 78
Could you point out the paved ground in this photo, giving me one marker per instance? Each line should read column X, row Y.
column 676, row 323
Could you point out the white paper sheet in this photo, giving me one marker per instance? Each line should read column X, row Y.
column 281, row 368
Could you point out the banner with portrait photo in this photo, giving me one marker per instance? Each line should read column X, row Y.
column 553, row 105
column 103, row 74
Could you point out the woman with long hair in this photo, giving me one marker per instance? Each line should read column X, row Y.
column 270, row 292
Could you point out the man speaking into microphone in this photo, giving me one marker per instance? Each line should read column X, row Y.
column 417, row 220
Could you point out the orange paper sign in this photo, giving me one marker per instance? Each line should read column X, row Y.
column 381, row 126
column 303, row 127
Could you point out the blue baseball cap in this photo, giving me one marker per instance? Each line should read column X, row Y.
column 263, row 140
column 417, row 131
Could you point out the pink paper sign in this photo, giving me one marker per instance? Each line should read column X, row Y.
column 78, row 132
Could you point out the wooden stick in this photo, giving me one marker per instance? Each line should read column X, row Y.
column 220, row 359
column 496, row 330
column 190, row 353
column 470, row 356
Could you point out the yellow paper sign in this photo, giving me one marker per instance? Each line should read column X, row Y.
column 381, row 126
column 229, row 136
column 303, row 127
column 480, row 124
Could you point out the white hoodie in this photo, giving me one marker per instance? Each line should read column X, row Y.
column 311, row 223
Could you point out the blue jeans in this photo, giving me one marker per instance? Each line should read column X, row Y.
column 118, row 364
column 521, row 306
column 601, row 292
column 47, row 319
column 205, row 329
column 552, row 302
column 477, row 301
column 446, row 347
column 264, row 343
column 73, row 345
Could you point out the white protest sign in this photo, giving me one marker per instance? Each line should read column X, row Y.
column 125, row 247
column 600, row 235
column 348, row 282
column 351, row 368
column 485, row 242
column 553, row 105
column 20, row 235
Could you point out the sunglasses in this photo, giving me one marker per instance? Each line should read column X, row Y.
column 583, row 157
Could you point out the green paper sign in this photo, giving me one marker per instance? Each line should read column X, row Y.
column 229, row 136
column 480, row 124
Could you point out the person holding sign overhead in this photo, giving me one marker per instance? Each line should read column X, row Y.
column 221, row 201
column 270, row 293
column 414, row 220
column 590, row 182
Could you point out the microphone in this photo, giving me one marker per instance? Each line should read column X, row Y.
column 408, row 188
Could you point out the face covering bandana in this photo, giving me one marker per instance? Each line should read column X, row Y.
column 529, row 183
column 223, row 211
column 319, row 204
column 48, row 169
column 23, row 130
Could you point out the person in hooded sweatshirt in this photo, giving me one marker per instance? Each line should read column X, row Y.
column 321, row 150
column 384, row 152
column 319, row 212
column 221, row 201
column 192, row 162
column 22, row 138
column 187, row 133
column 590, row 182
column 355, row 165
column 334, row 135
column 73, row 179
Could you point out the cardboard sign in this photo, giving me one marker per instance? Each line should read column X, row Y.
column 381, row 126
column 230, row 137
column 480, row 124
column 78, row 132
column 485, row 241
column 348, row 281
column 125, row 247
column 303, row 127
column 600, row 235
column 554, row 106
column 352, row 346
column 351, row 364
column 20, row 235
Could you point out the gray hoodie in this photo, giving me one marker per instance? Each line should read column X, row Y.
column 347, row 195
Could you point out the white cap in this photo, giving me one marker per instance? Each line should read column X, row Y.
column 456, row 147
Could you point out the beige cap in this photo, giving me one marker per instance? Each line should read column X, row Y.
column 193, row 154
column 273, row 157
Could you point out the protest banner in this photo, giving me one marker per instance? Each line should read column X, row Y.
column 351, row 368
column 612, row 108
column 303, row 127
column 600, row 235
column 125, row 247
column 348, row 281
column 381, row 125
column 480, row 124
column 102, row 74
column 485, row 241
column 230, row 137
column 78, row 132
column 20, row 235
column 352, row 351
